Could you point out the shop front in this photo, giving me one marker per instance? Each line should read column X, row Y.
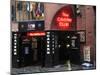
column 37, row 46
column 47, row 48
column 45, row 38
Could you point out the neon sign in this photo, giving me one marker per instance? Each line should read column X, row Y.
column 63, row 20
column 36, row 34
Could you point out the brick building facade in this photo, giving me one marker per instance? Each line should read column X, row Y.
column 85, row 20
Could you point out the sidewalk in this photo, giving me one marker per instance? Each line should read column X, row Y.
column 38, row 69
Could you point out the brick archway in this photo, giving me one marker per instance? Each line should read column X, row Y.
column 69, row 13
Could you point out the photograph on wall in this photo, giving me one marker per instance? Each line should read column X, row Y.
column 52, row 37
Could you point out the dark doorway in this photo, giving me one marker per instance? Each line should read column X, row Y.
column 69, row 47
column 38, row 48
column 32, row 50
column 25, row 50
column 64, row 47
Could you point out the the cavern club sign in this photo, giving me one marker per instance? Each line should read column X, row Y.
column 63, row 18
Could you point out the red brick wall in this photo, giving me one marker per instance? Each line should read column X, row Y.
column 50, row 11
column 87, row 22
column 84, row 22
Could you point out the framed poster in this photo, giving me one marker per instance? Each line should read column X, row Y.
column 82, row 34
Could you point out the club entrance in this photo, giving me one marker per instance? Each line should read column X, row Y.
column 46, row 49
column 69, row 47
column 61, row 47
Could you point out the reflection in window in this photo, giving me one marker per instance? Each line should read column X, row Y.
column 26, row 11
column 34, row 43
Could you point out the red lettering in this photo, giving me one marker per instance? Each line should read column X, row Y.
column 36, row 34
column 65, row 14
column 63, row 19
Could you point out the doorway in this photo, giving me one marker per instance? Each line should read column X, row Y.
column 32, row 50
column 38, row 48
column 69, row 47
column 64, row 44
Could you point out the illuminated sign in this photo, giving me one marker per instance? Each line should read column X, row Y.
column 36, row 33
column 63, row 20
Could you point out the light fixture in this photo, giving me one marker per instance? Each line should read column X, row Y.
column 15, row 47
column 15, row 37
column 48, row 45
column 33, row 25
column 15, row 50
column 48, row 49
column 15, row 43
column 48, row 39
column 48, row 52
column 15, row 34
column 53, row 52
column 48, row 42
column 15, row 40
column 48, row 35
column 67, row 45
column 48, row 32
column 68, row 36
column 59, row 46
column 52, row 48
column 53, row 45
column 15, row 53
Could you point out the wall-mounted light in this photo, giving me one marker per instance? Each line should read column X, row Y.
column 48, row 52
column 15, row 40
column 52, row 45
column 48, row 32
column 68, row 36
column 53, row 52
column 59, row 46
column 15, row 43
column 15, row 49
column 48, row 39
column 48, row 42
column 15, row 53
column 48, row 35
column 67, row 45
column 78, row 11
column 48, row 49
column 15, row 34
column 48, row 45
column 15, row 37
column 52, row 48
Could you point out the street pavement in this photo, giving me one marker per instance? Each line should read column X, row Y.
column 39, row 69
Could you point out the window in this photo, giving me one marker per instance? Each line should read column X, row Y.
column 27, row 11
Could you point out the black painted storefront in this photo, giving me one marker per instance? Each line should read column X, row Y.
column 41, row 51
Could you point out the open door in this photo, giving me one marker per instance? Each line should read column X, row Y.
column 64, row 47
column 69, row 47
